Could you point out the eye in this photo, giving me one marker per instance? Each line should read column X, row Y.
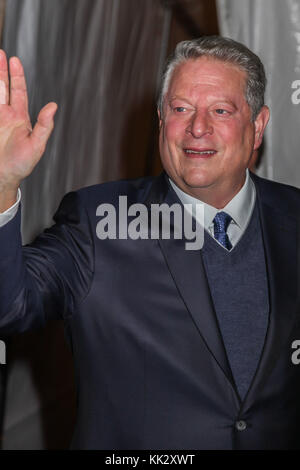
column 179, row 109
column 221, row 111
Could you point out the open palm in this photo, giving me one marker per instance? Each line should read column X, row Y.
column 21, row 146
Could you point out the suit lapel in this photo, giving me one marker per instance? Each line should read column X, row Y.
column 188, row 273
column 280, row 242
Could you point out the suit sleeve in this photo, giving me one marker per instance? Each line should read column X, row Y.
column 49, row 277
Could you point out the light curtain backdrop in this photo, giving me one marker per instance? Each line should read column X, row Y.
column 271, row 28
column 99, row 60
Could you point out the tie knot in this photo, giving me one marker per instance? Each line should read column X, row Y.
column 221, row 222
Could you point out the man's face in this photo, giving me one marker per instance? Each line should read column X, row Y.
column 206, row 133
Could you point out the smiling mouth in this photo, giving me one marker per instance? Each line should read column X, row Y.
column 204, row 153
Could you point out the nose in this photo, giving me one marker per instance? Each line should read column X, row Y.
column 199, row 125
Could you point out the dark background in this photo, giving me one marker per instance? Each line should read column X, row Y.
column 100, row 60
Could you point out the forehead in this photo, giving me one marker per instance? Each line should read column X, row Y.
column 208, row 75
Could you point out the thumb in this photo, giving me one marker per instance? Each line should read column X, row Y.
column 44, row 125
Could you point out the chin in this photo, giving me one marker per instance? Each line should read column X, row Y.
column 197, row 180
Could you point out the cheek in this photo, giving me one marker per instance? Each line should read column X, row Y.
column 235, row 136
column 170, row 138
column 174, row 131
column 247, row 140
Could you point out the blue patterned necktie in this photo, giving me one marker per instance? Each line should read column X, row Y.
column 221, row 223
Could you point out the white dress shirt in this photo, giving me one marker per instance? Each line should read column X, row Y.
column 240, row 208
column 9, row 214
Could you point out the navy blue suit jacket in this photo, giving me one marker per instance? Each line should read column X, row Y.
column 151, row 370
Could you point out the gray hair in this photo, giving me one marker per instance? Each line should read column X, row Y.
column 226, row 50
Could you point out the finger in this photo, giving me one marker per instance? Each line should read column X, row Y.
column 18, row 89
column 44, row 126
column 4, row 82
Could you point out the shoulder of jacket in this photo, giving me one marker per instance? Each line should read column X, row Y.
column 109, row 192
column 282, row 196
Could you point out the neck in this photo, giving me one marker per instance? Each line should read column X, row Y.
column 215, row 197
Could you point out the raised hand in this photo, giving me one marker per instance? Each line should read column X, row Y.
column 21, row 146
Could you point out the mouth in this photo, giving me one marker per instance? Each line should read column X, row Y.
column 199, row 152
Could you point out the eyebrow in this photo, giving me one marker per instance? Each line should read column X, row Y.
column 181, row 98
column 220, row 101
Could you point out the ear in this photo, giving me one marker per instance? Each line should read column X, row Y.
column 160, row 121
column 260, row 124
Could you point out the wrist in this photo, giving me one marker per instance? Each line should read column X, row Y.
column 8, row 197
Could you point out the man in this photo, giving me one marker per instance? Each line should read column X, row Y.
column 173, row 348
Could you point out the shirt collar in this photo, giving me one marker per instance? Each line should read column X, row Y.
column 240, row 207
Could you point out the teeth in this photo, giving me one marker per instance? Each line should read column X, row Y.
column 204, row 152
